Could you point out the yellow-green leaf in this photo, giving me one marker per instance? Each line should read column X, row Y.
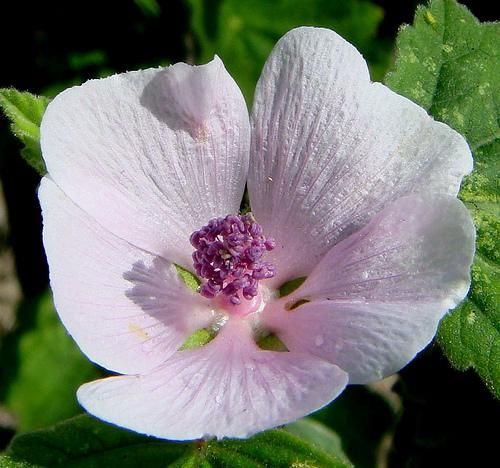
column 25, row 111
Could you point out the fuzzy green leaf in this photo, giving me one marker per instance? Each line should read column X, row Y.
column 243, row 32
column 25, row 111
column 448, row 62
column 275, row 448
column 86, row 442
column 41, row 368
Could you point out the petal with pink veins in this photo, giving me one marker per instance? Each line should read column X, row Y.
column 151, row 155
column 228, row 388
column 125, row 307
column 330, row 149
column 377, row 297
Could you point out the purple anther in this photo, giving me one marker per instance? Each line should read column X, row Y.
column 229, row 256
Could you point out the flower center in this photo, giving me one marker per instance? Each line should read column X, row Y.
column 229, row 256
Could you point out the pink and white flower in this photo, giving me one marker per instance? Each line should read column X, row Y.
column 350, row 185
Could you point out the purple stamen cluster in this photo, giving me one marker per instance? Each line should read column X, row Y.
column 228, row 255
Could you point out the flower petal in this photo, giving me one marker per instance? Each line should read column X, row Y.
column 377, row 297
column 418, row 249
column 125, row 307
column 367, row 340
column 229, row 388
column 151, row 155
column 330, row 148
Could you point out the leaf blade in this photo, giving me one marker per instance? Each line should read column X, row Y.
column 24, row 111
column 83, row 441
column 448, row 63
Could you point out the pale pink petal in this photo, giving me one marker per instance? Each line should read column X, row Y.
column 367, row 340
column 330, row 148
column 125, row 308
column 228, row 388
column 151, row 155
column 377, row 297
column 419, row 248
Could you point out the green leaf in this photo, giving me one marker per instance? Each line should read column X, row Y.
column 275, row 448
column 7, row 462
column 188, row 278
column 41, row 368
column 243, row 32
column 448, row 62
column 86, row 442
column 25, row 111
column 317, row 434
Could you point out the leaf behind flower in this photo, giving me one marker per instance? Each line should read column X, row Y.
column 87, row 442
column 24, row 111
column 448, row 62
column 243, row 32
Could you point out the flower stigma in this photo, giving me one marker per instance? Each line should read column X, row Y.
column 228, row 257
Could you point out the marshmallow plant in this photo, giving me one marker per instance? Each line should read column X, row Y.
column 235, row 271
column 352, row 192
